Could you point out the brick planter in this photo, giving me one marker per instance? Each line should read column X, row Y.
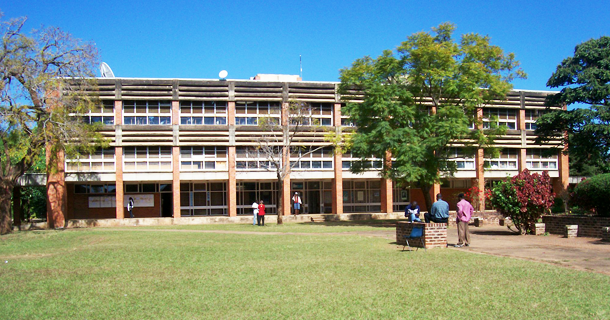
column 435, row 234
column 606, row 234
column 478, row 222
column 538, row 229
column 571, row 231
column 587, row 226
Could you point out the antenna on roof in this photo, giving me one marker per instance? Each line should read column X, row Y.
column 106, row 71
column 301, row 65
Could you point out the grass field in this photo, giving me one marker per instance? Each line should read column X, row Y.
column 291, row 271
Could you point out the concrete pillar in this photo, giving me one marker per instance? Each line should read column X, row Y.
column 17, row 209
column 56, row 188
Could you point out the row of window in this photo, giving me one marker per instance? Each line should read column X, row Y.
column 158, row 112
column 215, row 158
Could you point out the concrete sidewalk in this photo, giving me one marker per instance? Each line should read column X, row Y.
column 588, row 254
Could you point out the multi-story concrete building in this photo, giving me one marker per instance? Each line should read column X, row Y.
column 181, row 148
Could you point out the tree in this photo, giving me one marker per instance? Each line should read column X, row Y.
column 46, row 80
column 278, row 145
column 585, row 79
column 524, row 198
column 592, row 194
column 420, row 98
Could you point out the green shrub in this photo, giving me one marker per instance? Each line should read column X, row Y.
column 594, row 194
column 558, row 206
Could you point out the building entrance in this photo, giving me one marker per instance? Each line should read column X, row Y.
column 167, row 205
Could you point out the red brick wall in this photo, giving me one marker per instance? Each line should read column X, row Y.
column 449, row 195
column 79, row 208
column 435, row 234
column 587, row 226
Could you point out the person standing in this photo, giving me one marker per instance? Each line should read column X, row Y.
column 439, row 212
column 412, row 212
column 261, row 214
column 255, row 211
column 130, row 206
column 464, row 212
column 296, row 202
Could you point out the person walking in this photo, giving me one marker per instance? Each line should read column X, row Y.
column 439, row 212
column 130, row 206
column 261, row 214
column 255, row 211
column 464, row 212
column 296, row 203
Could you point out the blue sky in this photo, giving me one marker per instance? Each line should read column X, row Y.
column 197, row 39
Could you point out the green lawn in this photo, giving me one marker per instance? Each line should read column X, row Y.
column 144, row 273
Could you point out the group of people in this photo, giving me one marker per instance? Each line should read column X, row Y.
column 439, row 213
column 259, row 213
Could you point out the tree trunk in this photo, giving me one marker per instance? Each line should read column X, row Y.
column 280, row 206
column 6, row 224
column 427, row 198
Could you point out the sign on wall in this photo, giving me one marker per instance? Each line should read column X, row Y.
column 140, row 200
column 102, row 202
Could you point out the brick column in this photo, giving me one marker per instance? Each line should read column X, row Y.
column 436, row 189
column 232, row 184
column 232, row 181
column 120, row 188
column 522, row 159
column 561, row 184
column 285, row 158
column 17, row 206
column 176, row 159
column 337, row 190
column 337, row 184
column 480, row 174
column 118, row 158
column 521, row 120
column 56, row 189
column 387, row 195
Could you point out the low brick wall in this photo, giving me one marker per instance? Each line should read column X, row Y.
column 435, row 234
column 486, row 218
column 587, row 226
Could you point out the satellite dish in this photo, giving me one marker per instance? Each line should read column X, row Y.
column 223, row 74
column 106, row 71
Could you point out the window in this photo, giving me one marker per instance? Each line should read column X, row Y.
column 203, row 158
column 103, row 113
column 147, row 112
column 539, row 159
column 203, row 112
column 349, row 160
column 208, row 198
column 147, row 158
column 502, row 117
column 506, row 161
column 320, row 159
column 248, row 113
column 321, row 113
column 100, row 160
column 247, row 158
column 94, row 188
column 530, row 118
column 464, row 160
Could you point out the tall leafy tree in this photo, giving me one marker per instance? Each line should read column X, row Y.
column 45, row 80
column 421, row 97
column 584, row 79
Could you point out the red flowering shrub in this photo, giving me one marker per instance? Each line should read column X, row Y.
column 524, row 198
column 475, row 196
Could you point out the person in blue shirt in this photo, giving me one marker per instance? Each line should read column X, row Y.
column 439, row 212
column 412, row 212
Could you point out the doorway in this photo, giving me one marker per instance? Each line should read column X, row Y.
column 167, row 205
column 313, row 201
